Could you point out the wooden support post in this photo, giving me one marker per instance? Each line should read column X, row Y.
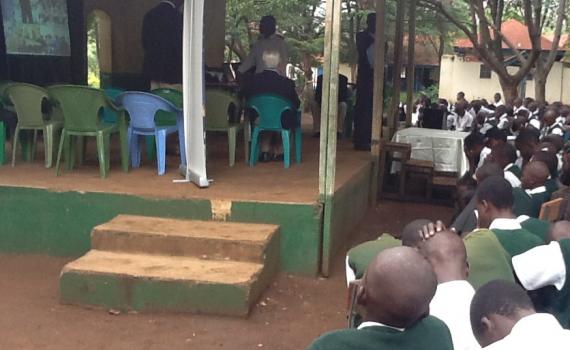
column 378, row 109
column 411, row 69
column 329, row 111
column 396, row 84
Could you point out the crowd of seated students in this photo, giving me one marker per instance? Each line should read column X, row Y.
column 500, row 272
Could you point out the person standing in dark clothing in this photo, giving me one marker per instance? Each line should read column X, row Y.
column 26, row 9
column 364, row 85
column 162, row 43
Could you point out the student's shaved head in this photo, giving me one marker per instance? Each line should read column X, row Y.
column 398, row 287
column 411, row 233
column 534, row 175
column 559, row 231
column 446, row 253
column 487, row 170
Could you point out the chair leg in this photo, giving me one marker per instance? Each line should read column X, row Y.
column 298, row 145
column 15, row 144
column 150, row 144
column 34, row 144
column 160, row 139
column 69, row 151
column 2, row 143
column 286, row 148
column 135, row 149
column 246, row 142
column 59, row 151
column 124, row 140
column 232, row 135
column 254, row 147
column 101, row 154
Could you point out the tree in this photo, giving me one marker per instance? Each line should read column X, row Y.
column 482, row 27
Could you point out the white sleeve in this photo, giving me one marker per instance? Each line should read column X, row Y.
column 540, row 267
column 350, row 274
column 535, row 123
column 558, row 132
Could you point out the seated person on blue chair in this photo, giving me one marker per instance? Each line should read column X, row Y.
column 270, row 81
column 342, row 105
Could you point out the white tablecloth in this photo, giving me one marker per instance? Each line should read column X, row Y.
column 444, row 148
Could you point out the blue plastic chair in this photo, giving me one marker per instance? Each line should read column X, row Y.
column 142, row 108
column 269, row 108
column 109, row 116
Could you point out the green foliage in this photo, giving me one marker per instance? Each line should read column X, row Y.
column 93, row 71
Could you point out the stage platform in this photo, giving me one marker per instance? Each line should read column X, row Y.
column 46, row 214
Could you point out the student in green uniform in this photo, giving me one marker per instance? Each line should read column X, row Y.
column 487, row 258
column 543, row 270
column 495, row 208
column 397, row 289
column 504, row 318
column 534, row 178
column 358, row 258
column 549, row 158
column 535, row 226
column 522, row 204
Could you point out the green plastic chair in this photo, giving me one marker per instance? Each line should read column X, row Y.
column 82, row 110
column 218, row 109
column 27, row 100
column 269, row 108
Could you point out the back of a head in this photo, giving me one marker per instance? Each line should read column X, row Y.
column 496, row 134
column 487, row 170
column 267, row 26
column 556, row 140
column 411, row 232
column 535, row 174
column 497, row 297
column 496, row 191
column 398, row 287
column 371, row 21
column 446, row 252
column 528, row 136
column 549, row 159
column 559, row 231
column 474, row 139
column 505, row 154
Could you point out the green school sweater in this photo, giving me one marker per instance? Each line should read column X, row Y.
column 487, row 258
column 515, row 170
column 537, row 227
column 554, row 301
column 536, row 201
column 427, row 334
column 522, row 203
column 360, row 256
column 516, row 242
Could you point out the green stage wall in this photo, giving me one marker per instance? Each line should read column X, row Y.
column 39, row 221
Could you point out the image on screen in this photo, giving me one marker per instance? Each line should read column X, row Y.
column 36, row 27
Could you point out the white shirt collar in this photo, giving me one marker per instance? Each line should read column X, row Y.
column 378, row 324
column 505, row 224
column 537, row 190
column 523, row 218
column 530, row 324
column 169, row 2
column 508, row 166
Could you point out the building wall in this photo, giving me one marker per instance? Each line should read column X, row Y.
column 126, row 23
column 459, row 75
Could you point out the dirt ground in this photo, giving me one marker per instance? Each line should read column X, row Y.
column 293, row 312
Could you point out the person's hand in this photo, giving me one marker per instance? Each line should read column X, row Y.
column 429, row 230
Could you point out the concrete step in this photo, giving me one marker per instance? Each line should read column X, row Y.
column 201, row 239
column 143, row 282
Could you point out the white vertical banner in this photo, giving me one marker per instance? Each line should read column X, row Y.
column 193, row 71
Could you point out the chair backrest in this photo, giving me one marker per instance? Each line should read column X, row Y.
column 142, row 108
column 112, row 93
column 218, row 108
column 27, row 100
column 550, row 211
column 4, row 85
column 174, row 96
column 399, row 151
column 269, row 107
column 81, row 106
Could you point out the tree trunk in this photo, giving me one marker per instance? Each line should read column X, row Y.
column 393, row 116
column 510, row 89
column 540, row 78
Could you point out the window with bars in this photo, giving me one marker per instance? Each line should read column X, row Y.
column 485, row 72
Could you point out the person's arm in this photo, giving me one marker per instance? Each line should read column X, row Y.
column 249, row 62
column 540, row 267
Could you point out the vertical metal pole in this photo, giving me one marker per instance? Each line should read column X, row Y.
column 411, row 69
column 378, row 109
column 329, row 112
column 398, row 41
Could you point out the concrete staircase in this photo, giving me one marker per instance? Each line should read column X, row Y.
column 155, row 264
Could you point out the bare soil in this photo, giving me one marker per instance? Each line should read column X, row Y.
column 293, row 311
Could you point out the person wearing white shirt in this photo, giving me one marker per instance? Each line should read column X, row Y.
column 498, row 100
column 460, row 120
column 503, row 317
column 447, row 254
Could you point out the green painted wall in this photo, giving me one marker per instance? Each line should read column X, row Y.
column 40, row 221
column 349, row 206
